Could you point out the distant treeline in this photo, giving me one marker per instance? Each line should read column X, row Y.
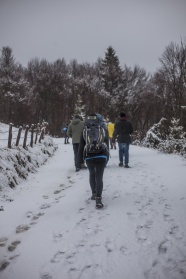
column 53, row 92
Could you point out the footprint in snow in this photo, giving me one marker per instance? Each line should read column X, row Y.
column 13, row 245
column 57, row 236
column 46, row 275
column 142, row 231
column 162, row 248
column 81, row 209
column 3, row 241
column 35, row 217
column 29, row 214
column 57, row 191
column 109, row 246
column 45, row 205
column 57, row 257
column 124, row 250
column 4, row 264
column 22, row 228
column 116, row 195
column 72, row 182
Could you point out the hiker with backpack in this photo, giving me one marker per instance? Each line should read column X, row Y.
column 74, row 131
column 122, row 131
column 94, row 149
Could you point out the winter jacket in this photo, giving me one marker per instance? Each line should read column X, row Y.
column 82, row 155
column 110, row 127
column 75, row 129
column 122, row 130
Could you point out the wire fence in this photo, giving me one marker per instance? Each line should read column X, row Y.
column 13, row 136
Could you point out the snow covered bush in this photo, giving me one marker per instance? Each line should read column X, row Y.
column 176, row 131
column 156, row 134
column 176, row 139
column 17, row 163
column 167, row 138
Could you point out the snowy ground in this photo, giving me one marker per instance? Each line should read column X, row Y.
column 51, row 229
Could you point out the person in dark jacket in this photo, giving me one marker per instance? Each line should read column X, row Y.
column 96, row 164
column 122, row 131
column 74, row 131
column 64, row 130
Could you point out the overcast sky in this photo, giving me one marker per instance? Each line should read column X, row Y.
column 138, row 30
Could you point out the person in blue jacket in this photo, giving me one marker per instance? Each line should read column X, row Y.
column 64, row 130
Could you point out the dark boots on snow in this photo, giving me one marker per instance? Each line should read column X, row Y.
column 99, row 202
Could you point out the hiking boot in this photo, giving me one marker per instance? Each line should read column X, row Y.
column 99, row 202
column 127, row 166
column 83, row 167
column 77, row 169
column 120, row 164
column 93, row 197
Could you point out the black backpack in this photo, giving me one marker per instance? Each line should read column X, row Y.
column 94, row 135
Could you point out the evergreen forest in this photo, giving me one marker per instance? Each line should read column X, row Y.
column 54, row 92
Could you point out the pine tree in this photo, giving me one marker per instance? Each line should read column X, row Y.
column 111, row 78
column 111, row 71
column 176, row 131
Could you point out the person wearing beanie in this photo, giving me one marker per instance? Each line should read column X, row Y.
column 122, row 131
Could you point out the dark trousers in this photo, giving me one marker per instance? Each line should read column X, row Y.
column 96, row 168
column 66, row 139
column 75, row 148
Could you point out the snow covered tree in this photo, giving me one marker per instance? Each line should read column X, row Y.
column 111, row 77
column 176, row 131
column 172, row 75
column 157, row 133
column 14, row 88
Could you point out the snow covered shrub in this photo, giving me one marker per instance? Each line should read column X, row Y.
column 176, row 131
column 176, row 139
column 167, row 138
column 137, row 137
column 17, row 163
column 171, row 146
column 156, row 134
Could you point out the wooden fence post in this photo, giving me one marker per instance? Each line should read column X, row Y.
column 41, row 135
column 18, row 136
column 10, row 136
column 25, row 138
column 32, row 135
column 37, row 132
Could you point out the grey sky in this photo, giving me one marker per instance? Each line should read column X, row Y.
column 138, row 30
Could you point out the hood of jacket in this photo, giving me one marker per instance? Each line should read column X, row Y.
column 76, row 121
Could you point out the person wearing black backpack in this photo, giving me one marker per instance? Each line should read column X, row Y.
column 122, row 131
column 94, row 149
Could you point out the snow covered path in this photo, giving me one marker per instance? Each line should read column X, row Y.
column 51, row 229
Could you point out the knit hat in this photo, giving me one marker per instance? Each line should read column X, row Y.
column 122, row 114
